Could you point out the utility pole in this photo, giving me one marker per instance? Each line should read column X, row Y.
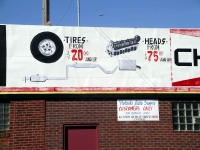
column 78, row 11
column 45, row 12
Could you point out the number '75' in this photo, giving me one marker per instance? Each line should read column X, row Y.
column 155, row 55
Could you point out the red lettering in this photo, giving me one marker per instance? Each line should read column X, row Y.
column 149, row 108
column 77, row 56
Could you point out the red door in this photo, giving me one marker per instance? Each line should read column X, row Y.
column 81, row 137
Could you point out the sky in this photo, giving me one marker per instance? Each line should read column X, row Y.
column 105, row 13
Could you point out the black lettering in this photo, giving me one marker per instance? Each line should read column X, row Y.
column 70, row 39
column 155, row 41
column 159, row 41
column 74, row 40
column 146, row 41
column 79, row 39
column 151, row 41
column 195, row 57
column 163, row 41
column 66, row 37
column 83, row 40
column 176, row 57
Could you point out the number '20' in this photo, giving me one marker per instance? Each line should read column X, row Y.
column 77, row 54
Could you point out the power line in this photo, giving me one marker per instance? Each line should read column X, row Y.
column 65, row 12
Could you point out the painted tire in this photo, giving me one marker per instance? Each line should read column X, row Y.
column 46, row 47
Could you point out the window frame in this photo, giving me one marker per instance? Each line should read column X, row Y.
column 184, row 114
column 4, row 116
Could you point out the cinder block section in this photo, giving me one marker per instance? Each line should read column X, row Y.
column 27, row 125
column 115, row 135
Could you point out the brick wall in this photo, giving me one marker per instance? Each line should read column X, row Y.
column 27, row 125
column 29, row 131
column 113, row 134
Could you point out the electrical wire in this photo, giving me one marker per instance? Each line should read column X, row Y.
column 65, row 12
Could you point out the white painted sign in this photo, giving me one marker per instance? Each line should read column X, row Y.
column 137, row 110
column 107, row 60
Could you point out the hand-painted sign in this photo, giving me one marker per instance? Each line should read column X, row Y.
column 137, row 110
column 45, row 59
